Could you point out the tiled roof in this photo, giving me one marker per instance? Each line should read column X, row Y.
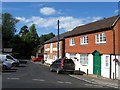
column 97, row 26
column 54, row 39
column 103, row 24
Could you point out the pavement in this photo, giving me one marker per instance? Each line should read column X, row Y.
column 94, row 79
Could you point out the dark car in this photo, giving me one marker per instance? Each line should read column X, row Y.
column 63, row 65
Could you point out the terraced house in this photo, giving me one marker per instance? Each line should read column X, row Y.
column 51, row 48
column 96, row 46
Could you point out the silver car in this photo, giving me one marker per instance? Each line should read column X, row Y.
column 9, row 58
column 5, row 65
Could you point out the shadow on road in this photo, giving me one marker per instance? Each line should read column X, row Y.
column 7, row 71
column 23, row 62
column 21, row 66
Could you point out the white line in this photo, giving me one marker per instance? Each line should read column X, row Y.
column 14, row 78
column 38, row 80
column 68, row 82
column 60, row 82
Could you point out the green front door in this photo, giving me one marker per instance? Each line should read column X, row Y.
column 97, row 63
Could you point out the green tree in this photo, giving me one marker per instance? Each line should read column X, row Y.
column 23, row 31
column 34, row 38
column 8, row 28
column 44, row 38
column 33, row 33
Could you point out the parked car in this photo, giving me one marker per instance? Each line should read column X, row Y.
column 12, row 60
column 5, row 65
column 38, row 59
column 63, row 65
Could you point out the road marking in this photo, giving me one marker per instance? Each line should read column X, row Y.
column 60, row 82
column 68, row 82
column 38, row 80
column 14, row 78
column 64, row 82
column 93, row 85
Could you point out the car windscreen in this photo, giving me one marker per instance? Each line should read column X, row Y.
column 9, row 57
column 68, row 61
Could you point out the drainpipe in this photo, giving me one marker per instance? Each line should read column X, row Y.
column 112, row 27
column 110, row 66
column 114, row 48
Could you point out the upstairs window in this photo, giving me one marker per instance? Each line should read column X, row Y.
column 84, row 40
column 100, row 38
column 72, row 41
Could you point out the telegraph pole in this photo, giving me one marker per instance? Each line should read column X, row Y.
column 58, row 41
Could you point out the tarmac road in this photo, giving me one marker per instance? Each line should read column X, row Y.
column 35, row 75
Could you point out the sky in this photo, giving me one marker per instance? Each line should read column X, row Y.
column 70, row 14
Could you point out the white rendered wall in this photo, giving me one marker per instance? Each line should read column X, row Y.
column 89, row 66
column 119, row 68
column 113, row 67
column 105, row 70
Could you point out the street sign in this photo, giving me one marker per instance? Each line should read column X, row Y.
column 8, row 50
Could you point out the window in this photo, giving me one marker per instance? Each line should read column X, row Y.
column 72, row 41
column 101, row 38
column 72, row 55
column 84, row 40
column 84, row 59
column 107, row 61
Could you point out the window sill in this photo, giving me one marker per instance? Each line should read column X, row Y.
column 84, row 65
column 100, row 42
column 72, row 45
column 84, row 44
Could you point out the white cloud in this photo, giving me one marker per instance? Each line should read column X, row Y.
column 47, row 11
column 67, row 23
column 117, row 10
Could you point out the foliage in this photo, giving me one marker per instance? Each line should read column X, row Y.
column 8, row 28
column 46, row 37
column 26, row 43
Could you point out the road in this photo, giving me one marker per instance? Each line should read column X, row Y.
column 35, row 75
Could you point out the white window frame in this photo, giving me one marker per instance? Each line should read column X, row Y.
column 84, row 40
column 100, row 38
column 72, row 41
column 84, row 59
column 72, row 55
column 107, row 61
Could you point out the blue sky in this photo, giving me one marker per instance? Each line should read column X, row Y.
column 70, row 14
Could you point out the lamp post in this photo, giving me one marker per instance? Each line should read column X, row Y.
column 58, row 41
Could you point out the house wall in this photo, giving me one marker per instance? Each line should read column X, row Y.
column 117, row 37
column 50, row 51
column 106, row 49
column 91, row 46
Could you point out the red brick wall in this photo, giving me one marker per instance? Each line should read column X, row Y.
column 54, row 44
column 117, row 38
column 91, row 46
column 106, row 48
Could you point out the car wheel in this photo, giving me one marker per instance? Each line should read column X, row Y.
column 58, row 71
column 3, row 67
column 14, row 65
column 72, row 72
